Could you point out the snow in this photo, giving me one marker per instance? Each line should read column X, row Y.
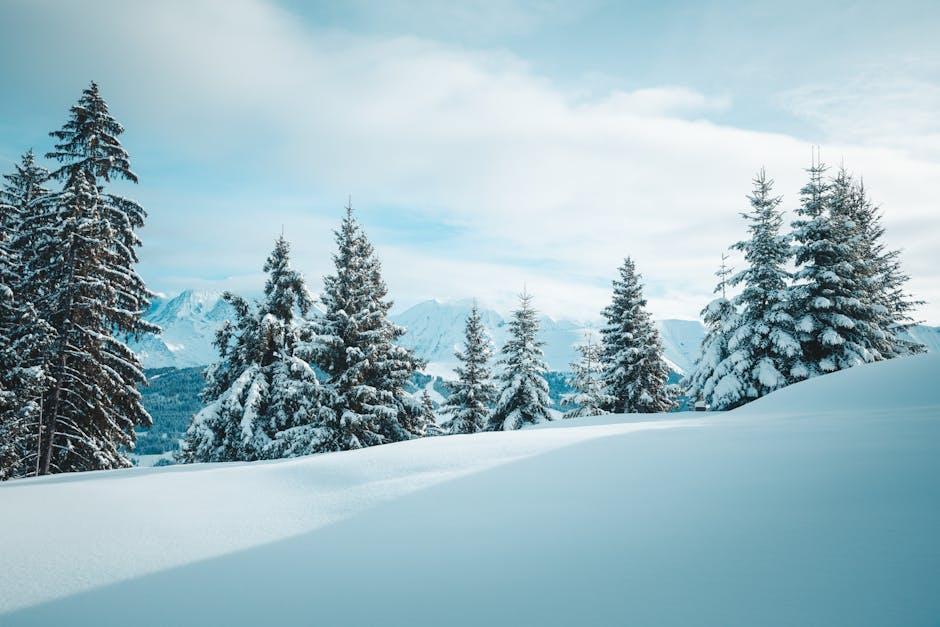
column 817, row 504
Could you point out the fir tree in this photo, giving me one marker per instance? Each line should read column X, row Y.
column 762, row 350
column 473, row 393
column 79, row 250
column 883, row 278
column 22, row 190
column 835, row 321
column 711, row 379
column 428, row 415
column 523, row 397
column 23, row 340
column 635, row 372
column 263, row 399
column 354, row 345
column 589, row 398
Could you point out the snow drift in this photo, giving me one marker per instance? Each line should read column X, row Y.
column 819, row 504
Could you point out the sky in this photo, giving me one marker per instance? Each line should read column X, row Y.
column 487, row 145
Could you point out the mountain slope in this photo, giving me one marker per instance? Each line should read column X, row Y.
column 188, row 323
column 818, row 504
column 435, row 330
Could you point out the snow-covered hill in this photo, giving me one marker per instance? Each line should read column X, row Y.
column 818, row 504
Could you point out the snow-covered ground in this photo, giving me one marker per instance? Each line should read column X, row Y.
column 818, row 505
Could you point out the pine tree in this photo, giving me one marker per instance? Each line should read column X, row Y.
column 635, row 372
column 589, row 398
column 79, row 249
column 712, row 379
column 354, row 345
column 428, row 415
column 263, row 399
column 23, row 340
column 883, row 278
column 473, row 393
column 835, row 322
column 23, row 188
column 523, row 397
column 763, row 353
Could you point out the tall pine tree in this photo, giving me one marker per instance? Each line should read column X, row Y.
column 263, row 399
column 523, row 397
column 834, row 319
column 763, row 352
column 882, row 278
column 588, row 398
column 24, row 338
column 354, row 344
column 712, row 379
column 473, row 393
column 636, row 376
column 79, row 251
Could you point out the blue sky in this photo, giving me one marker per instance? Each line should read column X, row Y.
column 487, row 144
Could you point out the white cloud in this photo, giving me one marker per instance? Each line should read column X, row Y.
column 543, row 186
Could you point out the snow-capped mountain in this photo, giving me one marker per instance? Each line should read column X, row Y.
column 435, row 330
column 188, row 322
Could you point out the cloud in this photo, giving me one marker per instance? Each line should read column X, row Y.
column 260, row 120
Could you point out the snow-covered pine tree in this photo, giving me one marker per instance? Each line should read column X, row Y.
column 428, row 415
column 79, row 250
column 883, row 278
column 712, row 380
column 473, row 393
column 834, row 318
column 523, row 397
column 636, row 377
column 22, row 189
column 24, row 338
column 354, row 344
column 588, row 398
column 263, row 399
column 762, row 350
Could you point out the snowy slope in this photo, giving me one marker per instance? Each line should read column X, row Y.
column 682, row 340
column 928, row 336
column 818, row 505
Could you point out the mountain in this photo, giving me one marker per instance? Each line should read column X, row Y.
column 928, row 336
column 188, row 323
column 435, row 329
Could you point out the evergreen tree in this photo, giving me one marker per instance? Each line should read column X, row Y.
column 763, row 352
column 473, row 393
column 523, row 397
column 263, row 399
column 589, row 398
column 23, row 340
column 354, row 345
column 835, row 321
column 79, row 250
column 429, row 417
column 883, row 278
column 712, row 379
column 635, row 372
column 22, row 190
